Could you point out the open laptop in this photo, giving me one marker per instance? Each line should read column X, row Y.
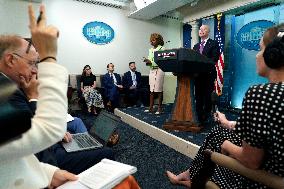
column 98, row 136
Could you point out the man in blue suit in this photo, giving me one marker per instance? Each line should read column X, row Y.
column 112, row 84
column 131, row 83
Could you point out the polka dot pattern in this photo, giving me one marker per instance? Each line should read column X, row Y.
column 223, row 177
column 261, row 124
column 263, row 127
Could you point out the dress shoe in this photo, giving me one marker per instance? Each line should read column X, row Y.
column 148, row 110
column 157, row 113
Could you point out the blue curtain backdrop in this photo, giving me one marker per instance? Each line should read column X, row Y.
column 187, row 36
column 243, row 60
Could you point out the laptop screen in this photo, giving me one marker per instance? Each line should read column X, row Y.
column 104, row 125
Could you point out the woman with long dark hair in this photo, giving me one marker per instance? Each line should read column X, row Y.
column 88, row 88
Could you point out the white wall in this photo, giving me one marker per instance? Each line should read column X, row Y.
column 131, row 40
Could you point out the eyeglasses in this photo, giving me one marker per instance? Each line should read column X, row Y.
column 32, row 63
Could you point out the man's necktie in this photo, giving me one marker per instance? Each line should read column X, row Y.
column 111, row 77
column 134, row 79
column 201, row 47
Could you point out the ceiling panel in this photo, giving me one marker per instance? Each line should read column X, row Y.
column 157, row 8
column 119, row 4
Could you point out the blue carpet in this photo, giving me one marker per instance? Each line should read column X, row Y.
column 151, row 157
column 159, row 120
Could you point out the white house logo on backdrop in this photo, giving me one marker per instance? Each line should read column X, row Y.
column 250, row 34
column 98, row 32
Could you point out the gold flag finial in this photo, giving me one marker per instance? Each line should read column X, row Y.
column 219, row 16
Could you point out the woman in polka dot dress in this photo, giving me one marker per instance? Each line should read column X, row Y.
column 256, row 139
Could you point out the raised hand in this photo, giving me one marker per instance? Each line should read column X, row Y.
column 147, row 61
column 44, row 37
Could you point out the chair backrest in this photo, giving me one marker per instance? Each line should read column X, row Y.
column 98, row 81
column 72, row 81
column 144, row 81
column 78, row 88
column 261, row 176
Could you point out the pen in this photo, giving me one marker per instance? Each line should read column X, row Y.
column 30, row 41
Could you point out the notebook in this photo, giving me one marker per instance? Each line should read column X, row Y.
column 98, row 136
column 104, row 175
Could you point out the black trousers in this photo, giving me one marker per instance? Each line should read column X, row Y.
column 132, row 96
column 74, row 162
column 204, row 86
column 77, row 162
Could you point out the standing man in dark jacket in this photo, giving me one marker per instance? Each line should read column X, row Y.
column 204, row 82
column 131, row 83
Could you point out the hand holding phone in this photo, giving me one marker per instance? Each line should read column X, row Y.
column 147, row 61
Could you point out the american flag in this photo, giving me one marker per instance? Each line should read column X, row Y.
column 220, row 64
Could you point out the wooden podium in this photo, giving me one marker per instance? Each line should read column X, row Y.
column 186, row 63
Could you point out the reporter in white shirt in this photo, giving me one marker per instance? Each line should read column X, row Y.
column 19, row 167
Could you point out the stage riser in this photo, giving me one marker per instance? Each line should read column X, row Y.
column 185, row 147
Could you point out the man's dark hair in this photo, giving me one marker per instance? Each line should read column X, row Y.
column 131, row 63
column 108, row 64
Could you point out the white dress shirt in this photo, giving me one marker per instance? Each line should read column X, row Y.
column 133, row 76
column 113, row 77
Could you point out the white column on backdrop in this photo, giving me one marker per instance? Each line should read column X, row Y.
column 194, row 33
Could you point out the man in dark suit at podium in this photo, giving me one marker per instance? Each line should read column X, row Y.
column 204, row 83
column 131, row 83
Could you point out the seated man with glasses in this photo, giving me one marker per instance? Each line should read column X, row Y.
column 26, row 62
column 18, row 62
